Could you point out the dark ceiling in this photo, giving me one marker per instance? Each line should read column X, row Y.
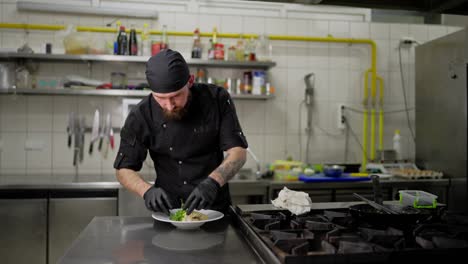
column 458, row 7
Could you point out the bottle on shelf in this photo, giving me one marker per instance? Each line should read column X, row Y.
column 123, row 42
column 156, row 46
column 219, row 51
column 250, row 50
column 215, row 36
column 201, row 75
column 263, row 49
column 116, row 40
column 197, row 49
column 133, row 43
column 397, row 144
column 144, row 49
column 211, row 51
column 247, row 82
column 240, row 49
column 231, row 53
column 164, row 39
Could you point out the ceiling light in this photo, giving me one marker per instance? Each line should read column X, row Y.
column 90, row 10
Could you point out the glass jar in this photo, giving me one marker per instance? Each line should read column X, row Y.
column 23, row 78
column 219, row 51
column 118, row 80
column 231, row 54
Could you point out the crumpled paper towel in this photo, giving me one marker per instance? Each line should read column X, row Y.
column 296, row 202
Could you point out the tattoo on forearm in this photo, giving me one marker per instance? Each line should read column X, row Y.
column 229, row 169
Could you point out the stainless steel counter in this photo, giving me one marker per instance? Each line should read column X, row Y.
column 58, row 182
column 242, row 191
column 110, row 182
column 142, row 240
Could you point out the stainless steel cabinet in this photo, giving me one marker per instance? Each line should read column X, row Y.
column 23, row 231
column 131, row 205
column 69, row 216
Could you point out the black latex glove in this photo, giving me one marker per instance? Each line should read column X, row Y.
column 202, row 196
column 156, row 199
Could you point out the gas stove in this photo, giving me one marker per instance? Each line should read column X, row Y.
column 335, row 236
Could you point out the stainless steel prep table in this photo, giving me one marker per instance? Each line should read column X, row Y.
column 143, row 240
column 343, row 191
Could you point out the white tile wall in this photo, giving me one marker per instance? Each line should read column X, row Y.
column 379, row 31
column 437, row 32
column 276, row 26
column 272, row 127
column 255, row 25
column 39, row 160
column 228, row 26
column 39, row 114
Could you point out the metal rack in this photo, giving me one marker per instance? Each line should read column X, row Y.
column 140, row 59
column 110, row 92
column 90, row 59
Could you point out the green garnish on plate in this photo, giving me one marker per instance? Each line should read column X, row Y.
column 178, row 216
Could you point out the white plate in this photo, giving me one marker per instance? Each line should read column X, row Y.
column 212, row 216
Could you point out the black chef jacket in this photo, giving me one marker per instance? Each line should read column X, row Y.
column 186, row 151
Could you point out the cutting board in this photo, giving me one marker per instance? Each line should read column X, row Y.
column 320, row 177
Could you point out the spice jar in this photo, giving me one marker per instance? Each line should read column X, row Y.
column 219, row 51
column 231, row 55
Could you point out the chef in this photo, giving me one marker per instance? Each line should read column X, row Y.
column 185, row 127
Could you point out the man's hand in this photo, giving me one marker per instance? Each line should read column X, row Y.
column 202, row 196
column 156, row 199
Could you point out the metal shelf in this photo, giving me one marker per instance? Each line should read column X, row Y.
column 116, row 93
column 140, row 59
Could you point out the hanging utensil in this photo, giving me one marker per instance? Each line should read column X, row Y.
column 70, row 128
column 76, row 142
column 106, row 135
column 111, row 137
column 94, row 131
column 82, row 137
column 102, row 133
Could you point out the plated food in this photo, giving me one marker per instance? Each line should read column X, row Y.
column 181, row 215
column 179, row 218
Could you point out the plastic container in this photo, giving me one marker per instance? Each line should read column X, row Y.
column 418, row 199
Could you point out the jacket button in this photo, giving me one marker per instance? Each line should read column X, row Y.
column 180, row 162
column 170, row 148
column 164, row 125
column 185, row 182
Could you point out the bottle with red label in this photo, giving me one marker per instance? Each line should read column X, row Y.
column 219, row 51
column 197, row 47
column 122, row 42
column 132, row 43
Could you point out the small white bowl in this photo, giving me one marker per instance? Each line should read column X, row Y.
column 212, row 216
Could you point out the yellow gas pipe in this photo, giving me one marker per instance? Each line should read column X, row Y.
column 373, row 114
column 365, row 102
column 381, row 116
column 32, row 26
column 330, row 39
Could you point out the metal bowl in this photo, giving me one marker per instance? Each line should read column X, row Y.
column 333, row 171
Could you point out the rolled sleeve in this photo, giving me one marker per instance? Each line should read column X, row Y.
column 132, row 152
column 231, row 134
